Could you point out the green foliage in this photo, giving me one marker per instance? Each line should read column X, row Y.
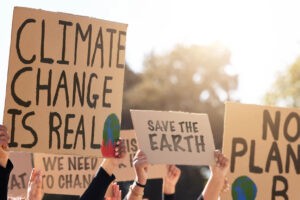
column 285, row 90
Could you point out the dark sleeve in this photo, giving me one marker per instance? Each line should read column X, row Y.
column 98, row 186
column 200, row 197
column 4, row 177
column 169, row 196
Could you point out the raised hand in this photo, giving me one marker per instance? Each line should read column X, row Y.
column 171, row 179
column 34, row 190
column 116, row 193
column 4, row 139
column 140, row 164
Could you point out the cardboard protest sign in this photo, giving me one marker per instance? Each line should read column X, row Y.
column 19, row 176
column 69, row 174
column 65, row 83
column 66, row 174
column 174, row 137
column 262, row 143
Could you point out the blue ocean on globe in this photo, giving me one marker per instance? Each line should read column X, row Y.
column 243, row 188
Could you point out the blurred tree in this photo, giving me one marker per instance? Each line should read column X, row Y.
column 191, row 79
column 131, row 79
column 285, row 90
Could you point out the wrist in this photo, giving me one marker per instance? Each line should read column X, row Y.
column 140, row 184
column 217, row 176
column 4, row 160
column 169, row 190
column 108, row 165
column 135, row 192
column 141, row 180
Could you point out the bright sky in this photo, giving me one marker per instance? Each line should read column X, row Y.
column 263, row 36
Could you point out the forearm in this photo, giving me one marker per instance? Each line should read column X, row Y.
column 169, row 189
column 213, row 188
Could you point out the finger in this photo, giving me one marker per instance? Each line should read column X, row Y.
column 142, row 157
column 3, row 128
column 220, row 160
column 140, row 160
column 4, row 144
column 140, row 153
column 223, row 161
column 5, row 147
column 119, row 195
column 217, row 154
column 122, row 152
column 177, row 172
column 174, row 169
column 115, row 190
column 4, row 137
column 171, row 168
column 4, row 134
column 122, row 148
column 114, row 187
column 38, row 183
column 141, row 164
column 121, row 142
column 32, row 175
column 118, row 142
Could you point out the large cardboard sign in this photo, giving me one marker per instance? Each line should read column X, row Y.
column 65, row 82
column 68, row 174
column 174, row 137
column 19, row 176
column 263, row 146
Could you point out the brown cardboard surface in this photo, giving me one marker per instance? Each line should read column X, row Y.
column 19, row 176
column 257, row 140
column 65, row 78
column 80, row 170
column 174, row 137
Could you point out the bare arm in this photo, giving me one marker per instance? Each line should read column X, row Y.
column 171, row 179
column 4, row 138
column 217, row 181
column 140, row 164
column 34, row 190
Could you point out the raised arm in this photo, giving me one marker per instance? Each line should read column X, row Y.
column 104, row 176
column 170, row 181
column 140, row 163
column 5, row 164
column 34, row 190
column 217, row 181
